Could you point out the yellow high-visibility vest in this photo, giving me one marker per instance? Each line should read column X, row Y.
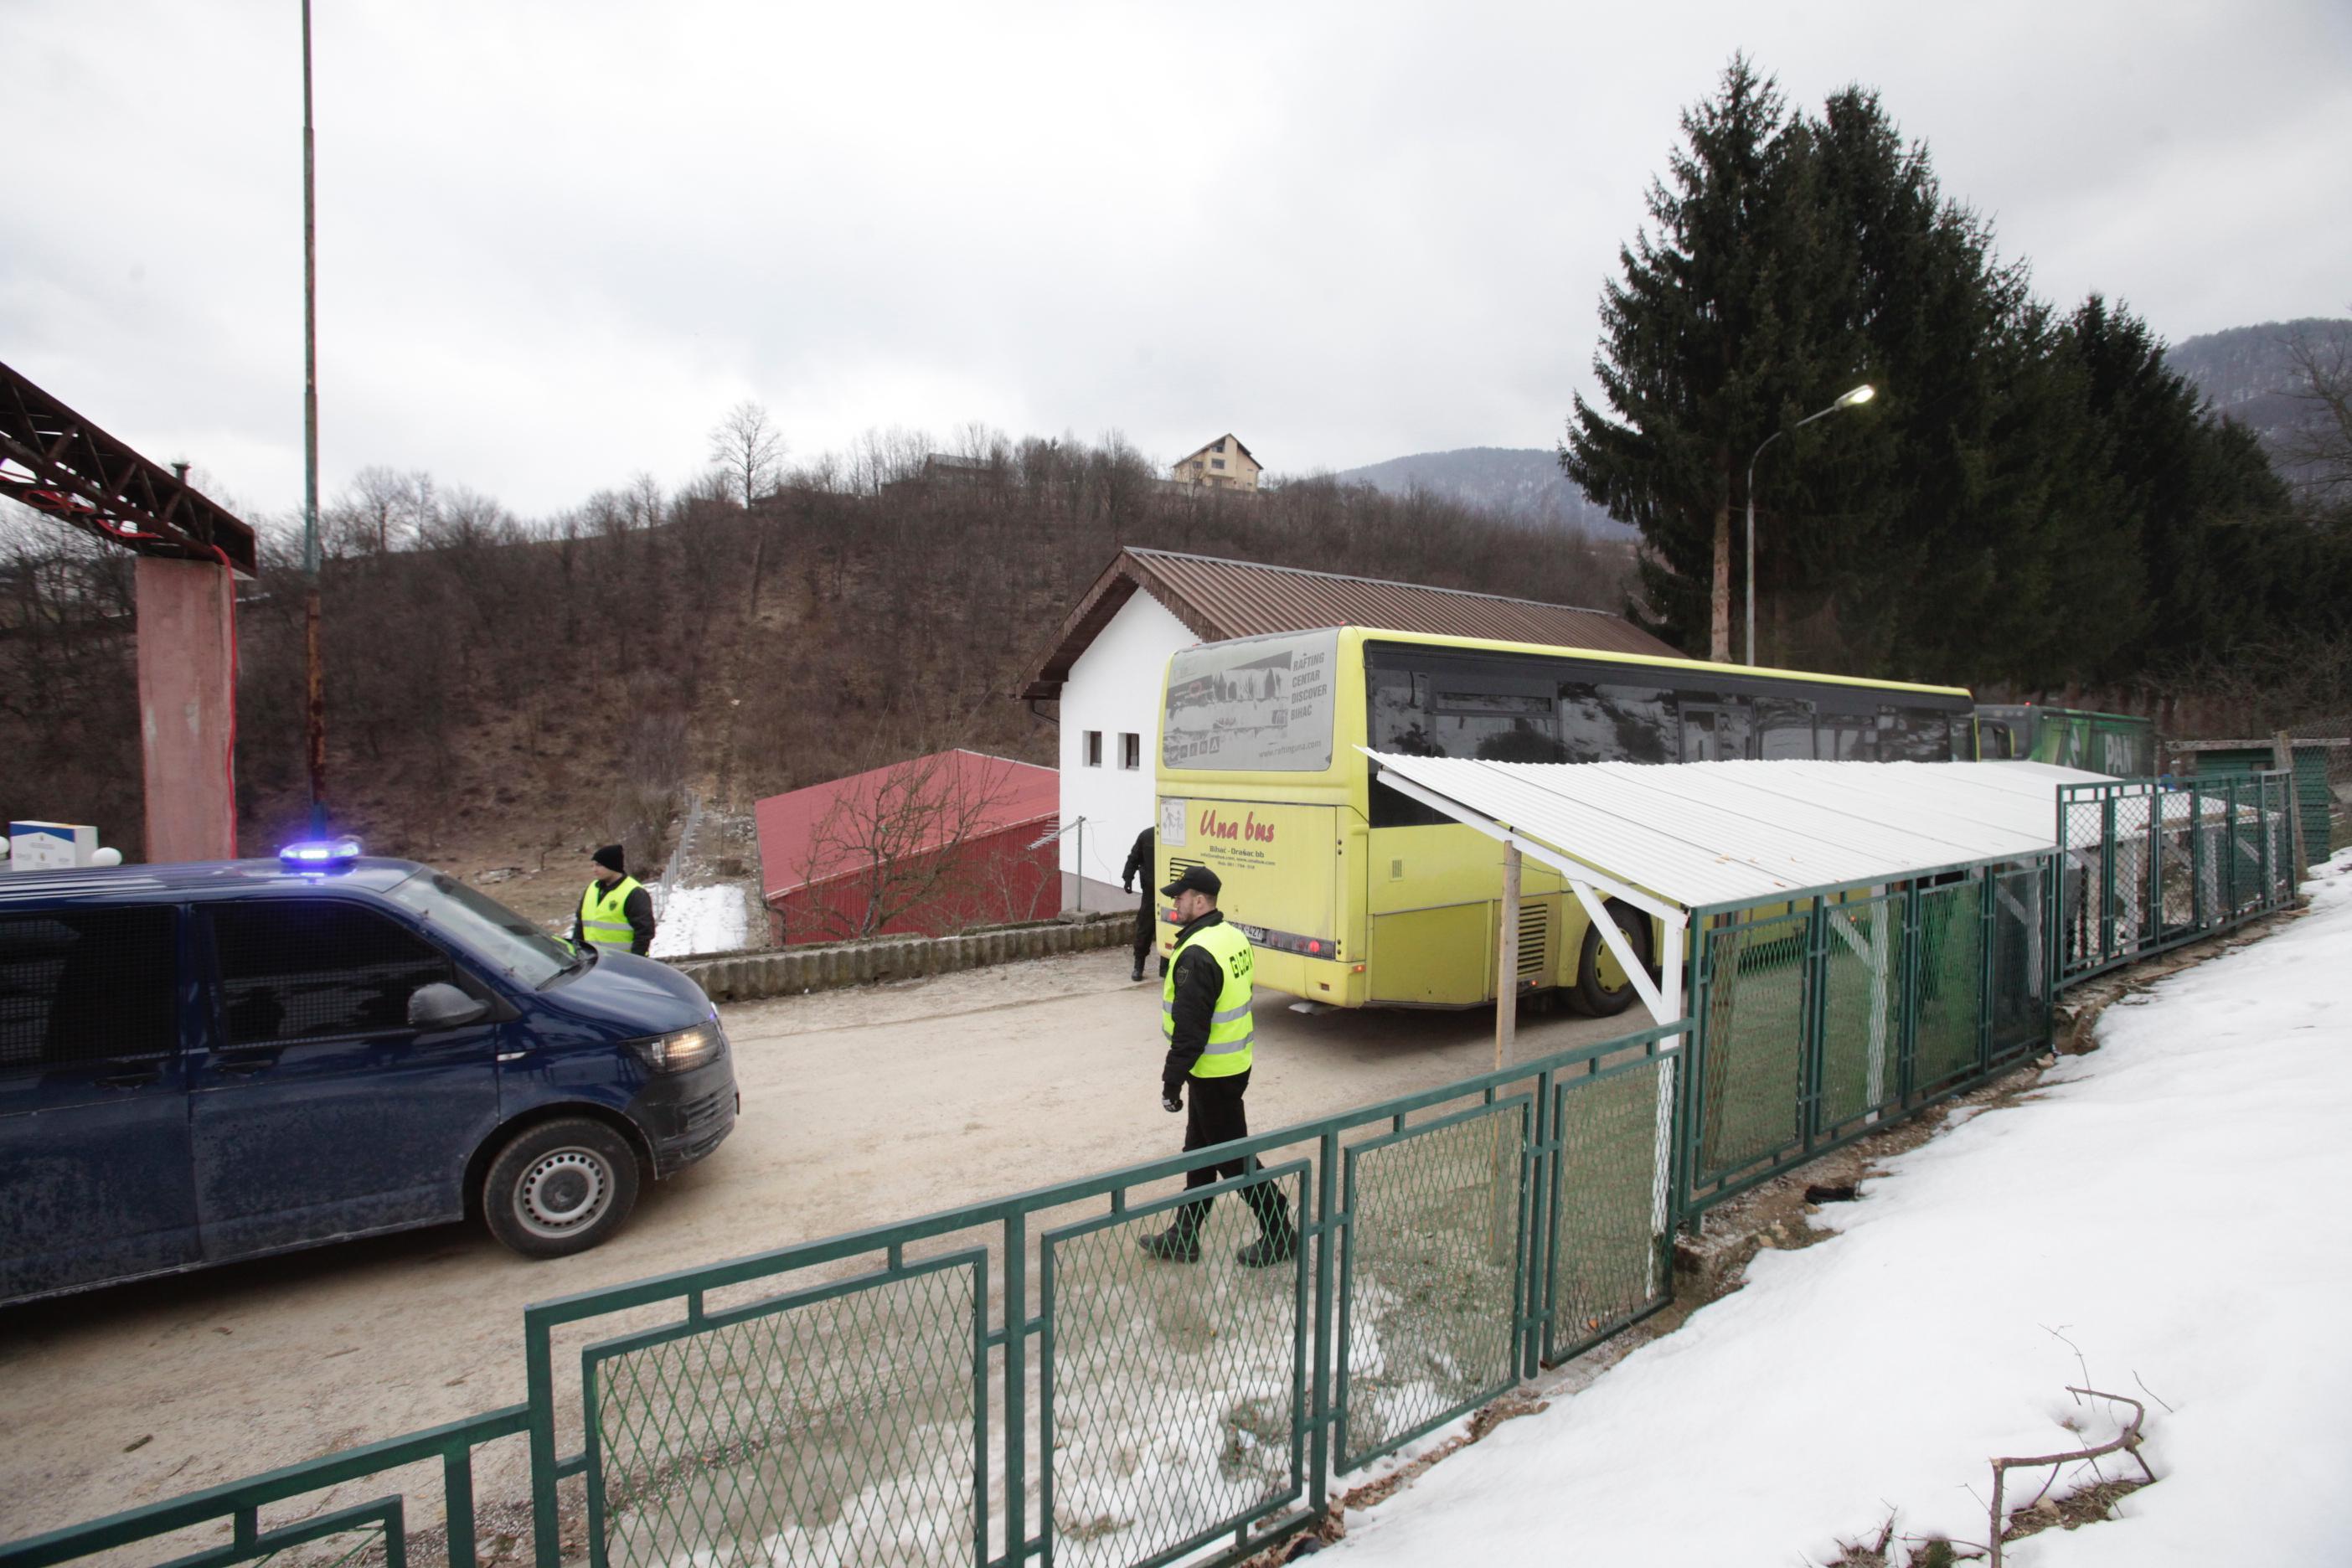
column 604, row 916
column 1230, row 1029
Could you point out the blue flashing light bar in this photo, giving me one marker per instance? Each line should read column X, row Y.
column 312, row 853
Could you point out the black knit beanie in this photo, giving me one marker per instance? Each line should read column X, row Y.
column 610, row 858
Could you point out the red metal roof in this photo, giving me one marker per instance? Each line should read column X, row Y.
column 1219, row 599
column 909, row 808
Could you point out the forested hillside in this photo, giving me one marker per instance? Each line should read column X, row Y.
column 498, row 691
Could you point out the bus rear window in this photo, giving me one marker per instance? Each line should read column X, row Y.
column 1256, row 705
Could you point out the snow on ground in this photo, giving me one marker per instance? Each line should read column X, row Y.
column 2173, row 1204
column 690, row 920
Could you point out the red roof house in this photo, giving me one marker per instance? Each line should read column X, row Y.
column 926, row 847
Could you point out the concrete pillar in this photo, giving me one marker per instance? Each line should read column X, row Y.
column 187, row 707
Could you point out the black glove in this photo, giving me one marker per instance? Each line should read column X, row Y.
column 1128, row 886
column 1171, row 1100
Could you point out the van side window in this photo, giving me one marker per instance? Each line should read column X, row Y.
column 294, row 969
column 78, row 985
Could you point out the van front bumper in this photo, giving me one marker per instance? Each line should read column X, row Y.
column 687, row 1115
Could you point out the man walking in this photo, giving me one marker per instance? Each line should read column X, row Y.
column 1204, row 1014
column 616, row 913
column 1139, row 861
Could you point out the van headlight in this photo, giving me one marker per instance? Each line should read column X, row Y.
column 682, row 1049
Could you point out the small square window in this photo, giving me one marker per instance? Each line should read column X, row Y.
column 1130, row 750
column 1216, row 462
column 1094, row 748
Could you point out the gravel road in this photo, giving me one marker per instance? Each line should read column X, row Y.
column 859, row 1108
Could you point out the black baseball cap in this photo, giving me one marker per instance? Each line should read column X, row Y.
column 1198, row 879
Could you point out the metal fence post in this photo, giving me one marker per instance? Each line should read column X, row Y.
column 1327, row 1199
column 2263, row 814
column 1907, row 1048
column 1988, row 897
column 1016, row 1389
column 2152, row 933
column 1812, row 1045
column 2230, row 859
column 2106, row 876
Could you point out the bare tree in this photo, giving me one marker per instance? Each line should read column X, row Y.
column 749, row 448
column 900, row 842
column 2319, row 446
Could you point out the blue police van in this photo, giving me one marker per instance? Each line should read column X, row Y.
column 206, row 1062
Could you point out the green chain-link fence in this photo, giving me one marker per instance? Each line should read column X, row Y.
column 2148, row 863
column 1017, row 1380
column 1820, row 1017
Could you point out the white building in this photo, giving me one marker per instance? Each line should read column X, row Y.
column 1111, row 655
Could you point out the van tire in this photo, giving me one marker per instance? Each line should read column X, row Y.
column 559, row 1187
column 1588, row 994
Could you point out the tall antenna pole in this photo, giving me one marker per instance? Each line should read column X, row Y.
column 317, row 704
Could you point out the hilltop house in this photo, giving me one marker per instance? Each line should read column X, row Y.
column 1224, row 464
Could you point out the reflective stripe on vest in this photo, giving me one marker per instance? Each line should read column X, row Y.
column 1231, row 1030
column 605, row 916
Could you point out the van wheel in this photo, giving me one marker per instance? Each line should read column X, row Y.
column 1602, row 989
column 559, row 1187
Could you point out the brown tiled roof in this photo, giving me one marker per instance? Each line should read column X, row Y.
column 1218, row 599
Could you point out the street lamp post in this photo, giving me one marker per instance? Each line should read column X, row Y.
column 1859, row 395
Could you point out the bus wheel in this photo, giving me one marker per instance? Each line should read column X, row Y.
column 1602, row 987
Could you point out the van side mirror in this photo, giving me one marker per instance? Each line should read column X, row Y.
column 441, row 1005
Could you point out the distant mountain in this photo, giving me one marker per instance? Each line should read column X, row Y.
column 1511, row 481
column 2250, row 377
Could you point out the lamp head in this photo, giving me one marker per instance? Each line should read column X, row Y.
column 1858, row 396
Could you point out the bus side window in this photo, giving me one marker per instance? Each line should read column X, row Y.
column 1715, row 732
column 1914, row 735
column 1848, row 738
column 1995, row 741
column 1612, row 723
column 1784, row 728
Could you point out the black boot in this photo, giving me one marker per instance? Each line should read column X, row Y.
column 1180, row 1243
column 1139, row 968
column 1276, row 1243
column 1277, row 1240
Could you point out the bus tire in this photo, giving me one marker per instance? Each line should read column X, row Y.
column 1590, row 994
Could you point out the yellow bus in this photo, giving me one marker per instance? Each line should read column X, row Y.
column 1354, row 894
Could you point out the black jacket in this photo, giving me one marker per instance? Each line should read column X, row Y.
column 637, row 909
column 1139, row 860
column 1200, row 981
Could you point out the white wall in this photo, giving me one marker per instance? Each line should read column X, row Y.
column 1114, row 687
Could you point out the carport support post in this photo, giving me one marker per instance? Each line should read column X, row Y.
column 2283, row 758
column 1507, row 960
column 187, row 707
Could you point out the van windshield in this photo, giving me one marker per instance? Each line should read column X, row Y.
column 484, row 927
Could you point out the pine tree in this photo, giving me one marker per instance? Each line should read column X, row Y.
column 1693, row 354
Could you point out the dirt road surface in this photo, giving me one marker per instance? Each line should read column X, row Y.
column 860, row 1108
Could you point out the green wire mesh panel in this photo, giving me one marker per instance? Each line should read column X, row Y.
column 2081, row 817
column 2021, row 1003
column 1863, row 1009
column 1754, row 1060
column 1430, row 1275
column 1951, row 985
column 1608, row 1217
column 826, row 1428
column 2134, row 909
column 1175, row 1390
column 368, row 1543
column 2177, row 863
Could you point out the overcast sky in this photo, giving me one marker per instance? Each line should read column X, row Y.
column 558, row 238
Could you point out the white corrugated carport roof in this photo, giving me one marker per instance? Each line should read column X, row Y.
column 1702, row 834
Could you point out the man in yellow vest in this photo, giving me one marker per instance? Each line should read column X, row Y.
column 1204, row 1016
column 615, row 912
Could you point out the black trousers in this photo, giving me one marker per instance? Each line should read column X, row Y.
column 1144, row 930
column 1214, row 1114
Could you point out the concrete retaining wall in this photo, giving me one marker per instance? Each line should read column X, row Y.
column 787, row 972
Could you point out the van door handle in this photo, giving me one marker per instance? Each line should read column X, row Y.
column 242, row 1067
column 132, row 1080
